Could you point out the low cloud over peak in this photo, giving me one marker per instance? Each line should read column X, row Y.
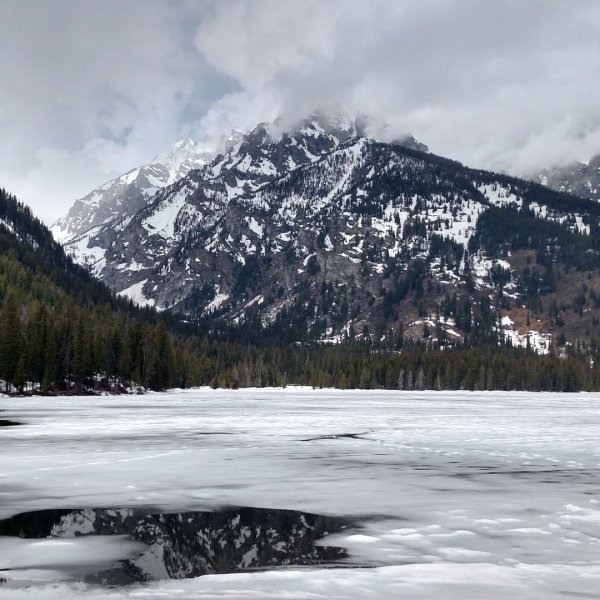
column 92, row 90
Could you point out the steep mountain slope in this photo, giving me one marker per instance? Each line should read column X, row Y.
column 579, row 179
column 252, row 161
column 126, row 195
column 320, row 233
column 87, row 229
column 27, row 241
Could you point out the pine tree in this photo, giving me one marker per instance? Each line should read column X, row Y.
column 81, row 352
column 10, row 340
column 20, row 376
column 162, row 363
column 366, row 377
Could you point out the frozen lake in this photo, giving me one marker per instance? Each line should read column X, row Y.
column 444, row 495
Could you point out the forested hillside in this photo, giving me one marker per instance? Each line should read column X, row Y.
column 61, row 330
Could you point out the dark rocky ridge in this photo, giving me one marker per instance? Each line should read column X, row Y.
column 579, row 179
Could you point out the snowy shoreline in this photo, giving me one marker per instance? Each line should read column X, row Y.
column 296, row 388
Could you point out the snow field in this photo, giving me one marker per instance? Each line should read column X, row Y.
column 453, row 494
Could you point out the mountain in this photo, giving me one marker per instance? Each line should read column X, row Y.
column 124, row 196
column 580, row 179
column 321, row 233
column 63, row 331
column 93, row 222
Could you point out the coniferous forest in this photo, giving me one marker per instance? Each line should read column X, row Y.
column 63, row 331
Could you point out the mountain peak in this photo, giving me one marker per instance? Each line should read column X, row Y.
column 576, row 178
column 264, row 153
column 184, row 155
column 318, row 133
column 594, row 163
column 337, row 124
column 125, row 195
column 235, row 137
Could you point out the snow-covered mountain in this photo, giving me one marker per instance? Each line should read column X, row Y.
column 580, row 179
column 329, row 234
column 89, row 227
column 125, row 195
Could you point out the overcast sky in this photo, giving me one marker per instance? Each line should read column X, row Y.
column 90, row 89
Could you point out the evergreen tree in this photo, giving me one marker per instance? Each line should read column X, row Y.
column 10, row 340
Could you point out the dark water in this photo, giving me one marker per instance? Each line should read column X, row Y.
column 189, row 544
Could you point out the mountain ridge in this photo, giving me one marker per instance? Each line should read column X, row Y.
column 126, row 194
column 335, row 235
column 580, row 179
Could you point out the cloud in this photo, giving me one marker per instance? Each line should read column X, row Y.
column 505, row 85
column 91, row 89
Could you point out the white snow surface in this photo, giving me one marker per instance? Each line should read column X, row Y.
column 216, row 302
column 83, row 254
column 499, row 195
column 255, row 226
column 162, row 220
column 135, row 292
column 539, row 342
column 455, row 495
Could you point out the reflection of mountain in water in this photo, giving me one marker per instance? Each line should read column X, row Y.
column 191, row 544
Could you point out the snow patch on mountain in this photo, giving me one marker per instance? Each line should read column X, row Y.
column 83, row 253
column 573, row 219
column 499, row 195
column 216, row 302
column 537, row 341
column 136, row 294
column 162, row 221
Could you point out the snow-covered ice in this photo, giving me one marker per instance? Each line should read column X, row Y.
column 454, row 494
